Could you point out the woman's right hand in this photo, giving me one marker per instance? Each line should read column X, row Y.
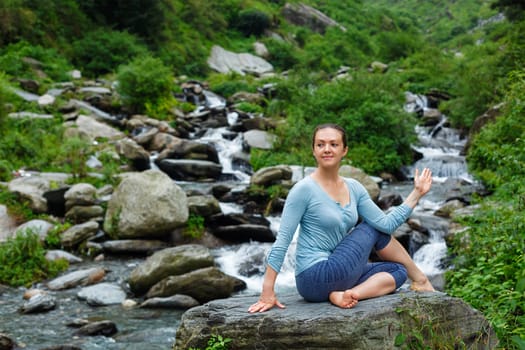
column 265, row 302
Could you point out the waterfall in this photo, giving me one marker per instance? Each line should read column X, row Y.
column 440, row 148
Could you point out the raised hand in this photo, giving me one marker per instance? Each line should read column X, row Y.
column 423, row 182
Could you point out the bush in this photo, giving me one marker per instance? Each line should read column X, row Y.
column 13, row 61
column 489, row 268
column 23, row 262
column 496, row 153
column 367, row 106
column 33, row 143
column 282, row 54
column 252, row 22
column 144, row 80
column 102, row 51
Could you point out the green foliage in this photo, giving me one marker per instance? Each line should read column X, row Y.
column 420, row 331
column 252, row 22
column 23, row 262
column 397, row 45
column 33, row 143
column 3, row 100
column 141, row 17
column 53, row 240
column 283, row 55
column 514, row 9
column 38, row 22
column 216, row 342
column 194, row 227
column 489, row 269
column 15, row 21
column 368, row 106
column 102, row 51
column 14, row 62
column 18, row 209
column 228, row 84
column 496, row 154
column 144, row 80
column 249, row 107
column 73, row 156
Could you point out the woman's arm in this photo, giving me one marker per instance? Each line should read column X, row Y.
column 268, row 298
column 390, row 222
column 422, row 184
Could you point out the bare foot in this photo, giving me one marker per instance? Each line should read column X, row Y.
column 422, row 286
column 345, row 300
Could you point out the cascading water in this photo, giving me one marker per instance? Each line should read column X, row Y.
column 440, row 148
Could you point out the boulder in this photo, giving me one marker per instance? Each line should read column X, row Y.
column 366, row 180
column 400, row 319
column 307, row 16
column 145, row 205
column 224, row 61
column 169, row 262
column 190, row 170
column 271, row 175
column 203, row 285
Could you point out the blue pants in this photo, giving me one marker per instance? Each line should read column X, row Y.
column 348, row 265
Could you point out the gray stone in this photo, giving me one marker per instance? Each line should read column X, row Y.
column 372, row 324
column 168, row 262
column 145, row 205
column 203, row 284
column 102, row 294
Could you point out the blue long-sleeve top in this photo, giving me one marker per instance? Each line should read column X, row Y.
column 324, row 222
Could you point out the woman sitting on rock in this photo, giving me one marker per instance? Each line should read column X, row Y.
column 332, row 252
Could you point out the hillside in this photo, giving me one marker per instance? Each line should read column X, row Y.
column 468, row 53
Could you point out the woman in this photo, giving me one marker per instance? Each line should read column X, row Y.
column 332, row 252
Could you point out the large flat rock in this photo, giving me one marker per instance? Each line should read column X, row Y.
column 435, row 317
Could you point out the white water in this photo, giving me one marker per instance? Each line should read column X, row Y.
column 440, row 147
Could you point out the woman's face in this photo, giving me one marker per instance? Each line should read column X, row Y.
column 328, row 147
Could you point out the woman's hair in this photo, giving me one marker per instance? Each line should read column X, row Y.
column 330, row 126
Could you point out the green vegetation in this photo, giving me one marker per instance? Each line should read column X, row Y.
column 22, row 261
column 461, row 50
column 420, row 331
column 489, row 268
column 194, row 227
column 216, row 342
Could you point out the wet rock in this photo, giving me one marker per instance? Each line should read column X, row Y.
column 105, row 328
column 168, row 262
column 6, row 343
column 244, row 233
column 203, row 284
column 77, row 278
column 77, row 234
column 177, row 301
column 133, row 246
column 40, row 302
column 190, row 170
column 271, row 175
column 102, row 294
column 56, row 254
column 135, row 153
column 259, row 139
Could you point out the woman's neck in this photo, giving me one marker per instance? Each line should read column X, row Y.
column 326, row 175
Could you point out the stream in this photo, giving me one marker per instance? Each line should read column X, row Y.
column 153, row 329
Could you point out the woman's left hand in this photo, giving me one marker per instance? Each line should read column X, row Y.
column 423, row 182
